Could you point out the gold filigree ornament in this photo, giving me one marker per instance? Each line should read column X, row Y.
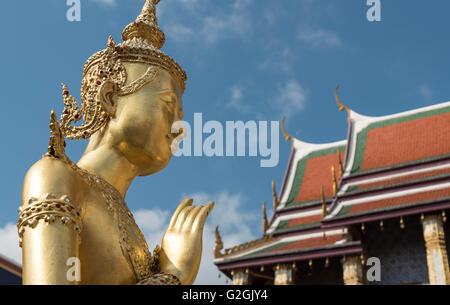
column 142, row 42
column 51, row 208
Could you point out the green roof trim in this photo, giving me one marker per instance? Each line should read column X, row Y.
column 300, row 170
column 361, row 138
column 344, row 210
column 268, row 249
column 282, row 225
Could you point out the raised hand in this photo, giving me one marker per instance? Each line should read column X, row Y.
column 181, row 249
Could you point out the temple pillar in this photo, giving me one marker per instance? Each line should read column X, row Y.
column 353, row 270
column 240, row 277
column 437, row 260
column 284, row 274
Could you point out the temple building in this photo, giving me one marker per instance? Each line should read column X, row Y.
column 10, row 272
column 370, row 209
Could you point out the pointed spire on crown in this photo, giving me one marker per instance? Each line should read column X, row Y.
column 146, row 26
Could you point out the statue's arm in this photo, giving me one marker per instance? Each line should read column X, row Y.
column 49, row 223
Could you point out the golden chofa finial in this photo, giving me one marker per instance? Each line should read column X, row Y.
column 333, row 175
column 276, row 201
column 287, row 136
column 324, row 203
column 265, row 221
column 342, row 106
column 219, row 244
column 341, row 165
column 146, row 26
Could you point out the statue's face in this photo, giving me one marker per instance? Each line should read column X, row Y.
column 141, row 126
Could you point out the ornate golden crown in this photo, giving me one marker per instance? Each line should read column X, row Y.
column 142, row 40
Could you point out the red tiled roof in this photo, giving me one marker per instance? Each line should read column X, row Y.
column 317, row 173
column 408, row 141
column 310, row 243
column 406, row 178
column 304, row 220
column 396, row 201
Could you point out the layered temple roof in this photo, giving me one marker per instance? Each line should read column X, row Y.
column 397, row 164
column 389, row 166
column 309, row 172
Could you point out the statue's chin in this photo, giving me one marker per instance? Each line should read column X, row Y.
column 153, row 166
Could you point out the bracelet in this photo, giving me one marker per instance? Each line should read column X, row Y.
column 161, row 278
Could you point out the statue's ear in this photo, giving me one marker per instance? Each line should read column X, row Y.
column 105, row 95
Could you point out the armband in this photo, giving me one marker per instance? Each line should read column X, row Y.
column 161, row 278
column 50, row 209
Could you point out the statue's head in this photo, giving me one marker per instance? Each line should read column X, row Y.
column 131, row 95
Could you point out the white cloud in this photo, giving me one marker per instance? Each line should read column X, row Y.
column 9, row 243
column 218, row 24
column 280, row 61
column 426, row 92
column 223, row 25
column 236, row 103
column 291, row 98
column 179, row 32
column 320, row 38
column 228, row 213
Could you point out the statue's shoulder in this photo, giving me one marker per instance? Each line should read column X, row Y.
column 50, row 177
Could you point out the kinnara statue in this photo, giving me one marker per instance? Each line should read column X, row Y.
column 131, row 95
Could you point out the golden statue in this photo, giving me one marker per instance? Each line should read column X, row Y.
column 131, row 96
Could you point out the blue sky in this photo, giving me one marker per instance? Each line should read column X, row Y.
column 246, row 60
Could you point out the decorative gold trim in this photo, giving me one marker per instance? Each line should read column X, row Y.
column 284, row 275
column 437, row 257
column 287, row 136
column 352, row 270
column 333, row 176
column 56, row 147
column 340, row 105
column 276, row 201
column 219, row 244
column 324, row 204
column 50, row 208
column 161, row 278
column 341, row 165
column 265, row 221
column 240, row 277
column 250, row 245
column 148, row 77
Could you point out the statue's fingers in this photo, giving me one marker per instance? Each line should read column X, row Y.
column 182, row 217
column 201, row 216
column 186, row 202
column 190, row 218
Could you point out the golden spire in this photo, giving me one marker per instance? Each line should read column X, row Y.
column 219, row 244
column 333, row 175
column 146, row 26
column 324, row 204
column 341, row 166
column 287, row 136
column 342, row 106
column 265, row 221
column 276, row 201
